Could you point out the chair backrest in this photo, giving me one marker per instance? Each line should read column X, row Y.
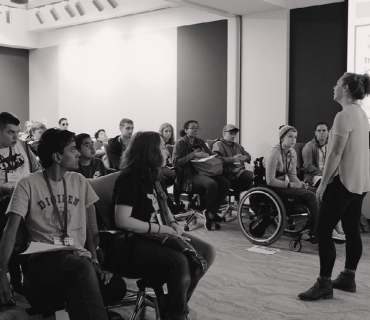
column 298, row 149
column 103, row 187
column 210, row 143
column 106, row 149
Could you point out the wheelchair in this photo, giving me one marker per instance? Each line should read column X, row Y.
column 265, row 214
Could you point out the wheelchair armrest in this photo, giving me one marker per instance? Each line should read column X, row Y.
column 116, row 245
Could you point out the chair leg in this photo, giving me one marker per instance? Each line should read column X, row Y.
column 139, row 306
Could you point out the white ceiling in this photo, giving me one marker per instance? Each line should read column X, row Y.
column 224, row 8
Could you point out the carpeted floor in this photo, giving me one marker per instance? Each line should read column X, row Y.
column 247, row 285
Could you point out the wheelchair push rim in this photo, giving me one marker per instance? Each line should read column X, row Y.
column 253, row 218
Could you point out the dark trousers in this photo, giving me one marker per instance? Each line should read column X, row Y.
column 169, row 176
column 307, row 197
column 217, row 188
column 180, row 284
column 76, row 276
column 242, row 183
column 339, row 204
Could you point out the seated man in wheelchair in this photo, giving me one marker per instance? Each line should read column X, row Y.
column 280, row 163
column 53, row 204
column 234, row 156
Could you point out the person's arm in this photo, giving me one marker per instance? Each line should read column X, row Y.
column 246, row 156
column 6, row 249
column 341, row 129
column 333, row 158
column 124, row 220
column 292, row 173
column 91, row 246
column 179, row 159
column 309, row 167
column 217, row 149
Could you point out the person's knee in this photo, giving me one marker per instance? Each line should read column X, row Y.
column 210, row 255
column 83, row 270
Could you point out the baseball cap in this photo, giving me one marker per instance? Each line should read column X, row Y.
column 230, row 127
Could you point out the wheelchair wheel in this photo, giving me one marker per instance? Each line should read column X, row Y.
column 261, row 216
column 295, row 245
column 297, row 222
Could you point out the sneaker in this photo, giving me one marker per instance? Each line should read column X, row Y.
column 345, row 281
column 207, row 220
column 322, row 289
column 338, row 238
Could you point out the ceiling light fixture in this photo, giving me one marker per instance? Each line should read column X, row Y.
column 80, row 8
column 9, row 16
column 70, row 10
column 98, row 5
column 39, row 16
column 113, row 3
column 55, row 13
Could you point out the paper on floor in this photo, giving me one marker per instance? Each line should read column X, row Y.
column 262, row 249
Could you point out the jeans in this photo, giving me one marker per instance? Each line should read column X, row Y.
column 76, row 275
column 180, row 284
column 217, row 188
column 305, row 196
column 339, row 204
column 242, row 183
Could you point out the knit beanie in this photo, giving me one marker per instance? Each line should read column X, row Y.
column 284, row 130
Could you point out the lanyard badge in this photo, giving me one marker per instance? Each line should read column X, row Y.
column 64, row 239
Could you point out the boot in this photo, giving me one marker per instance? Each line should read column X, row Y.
column 345, row 281
column 322, row 289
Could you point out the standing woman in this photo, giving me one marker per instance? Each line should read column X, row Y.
column 343, row 186
column 138, row 197
column 314, row 157
column 190, row 147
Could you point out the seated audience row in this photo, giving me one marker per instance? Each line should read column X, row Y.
column 34, row 202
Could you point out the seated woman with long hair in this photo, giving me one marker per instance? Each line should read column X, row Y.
column 280, row 163
column 188, row 148
column 140, row 207
column 166, row 131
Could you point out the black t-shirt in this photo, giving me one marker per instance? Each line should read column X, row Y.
column 132, row 191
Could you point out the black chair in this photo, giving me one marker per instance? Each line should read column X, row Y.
column 265, row 214
column 116, row 245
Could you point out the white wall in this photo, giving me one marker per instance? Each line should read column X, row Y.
column 132, row 76
column 264, row 79
column 110, row 70
column 44, row 85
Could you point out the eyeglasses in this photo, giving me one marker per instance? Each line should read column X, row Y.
column 194, row 128
column 64, row 124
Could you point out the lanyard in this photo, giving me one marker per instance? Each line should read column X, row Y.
column 287, row 165
column 56, row 211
